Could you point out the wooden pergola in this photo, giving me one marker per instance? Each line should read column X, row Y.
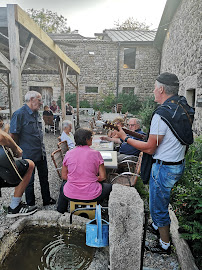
column 26, row 49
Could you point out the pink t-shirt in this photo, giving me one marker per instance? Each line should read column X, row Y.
column 83, row 164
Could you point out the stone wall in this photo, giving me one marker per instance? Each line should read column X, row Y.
column 97, row 60
column 182, row 53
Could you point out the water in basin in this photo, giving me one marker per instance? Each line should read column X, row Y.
column 49, row 249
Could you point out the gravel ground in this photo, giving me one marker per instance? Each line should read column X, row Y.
column 151, row 261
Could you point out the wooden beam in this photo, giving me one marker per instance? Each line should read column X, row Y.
column 25, row 51
column 14, row 50
column 75, row 86
column 23, row 18
column 5, row 61
column 62, row 90
column 2, row 80
column 77, row 102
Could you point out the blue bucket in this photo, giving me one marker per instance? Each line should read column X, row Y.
column 97, row 230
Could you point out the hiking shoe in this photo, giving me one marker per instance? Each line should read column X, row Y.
column 51, row 201
column 21, row 210
column 151, row 229
column 157, row 248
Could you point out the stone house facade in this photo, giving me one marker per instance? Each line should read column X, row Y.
column 175, row 47
column 181, row 45
column 102, row 67
column 102, row 64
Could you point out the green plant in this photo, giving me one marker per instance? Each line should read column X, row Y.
column 105, row 104
column 186, row 200
column 71, row 98
column 85, row 104
column 131, row 103
column 146, row 110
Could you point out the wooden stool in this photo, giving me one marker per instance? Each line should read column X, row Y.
column 83, row 213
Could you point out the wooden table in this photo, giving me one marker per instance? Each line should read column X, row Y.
column 99, row 145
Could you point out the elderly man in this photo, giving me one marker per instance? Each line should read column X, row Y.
column 126, row 149
column 170, row 133
column 18, row 179
column 26, row 130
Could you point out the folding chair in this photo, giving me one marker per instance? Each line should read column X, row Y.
column 50, row 122
column 64, row 147
column 57, row 158
column 130, row 177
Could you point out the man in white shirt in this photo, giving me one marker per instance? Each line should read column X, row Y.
column 170, row 133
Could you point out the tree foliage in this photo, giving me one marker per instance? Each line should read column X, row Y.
column 131, row 24
column 49, row 21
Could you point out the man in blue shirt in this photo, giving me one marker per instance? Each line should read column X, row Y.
column 125, row 149
column 26, row 130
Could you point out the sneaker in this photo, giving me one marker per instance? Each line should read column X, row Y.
column 151, row 229
column 157, row 248
column 21, row 210
column 51, row 201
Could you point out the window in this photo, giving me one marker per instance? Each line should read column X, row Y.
column 191, row 96
column 91, row 89
column 129, row 58
column 128, row 90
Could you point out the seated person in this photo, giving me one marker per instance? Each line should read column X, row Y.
column 69, row 109
column 126, row 149
column 47, row 111
column 116, row 121
column 54, row 107
column 67, row 135
column 3, row 126
column 84, row 169
column 25, row 168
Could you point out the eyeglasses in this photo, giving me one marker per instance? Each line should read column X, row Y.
column 132, row 125
column 39, row 99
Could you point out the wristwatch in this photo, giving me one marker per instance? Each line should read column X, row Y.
column 126, row 138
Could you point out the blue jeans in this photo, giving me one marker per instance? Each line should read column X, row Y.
column 162, row 180
column 42, row 169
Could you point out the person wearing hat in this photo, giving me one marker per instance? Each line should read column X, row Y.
column 170, row 134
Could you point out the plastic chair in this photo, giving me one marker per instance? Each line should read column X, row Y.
column 50, row 122
column 64, row 147
column 57, row 158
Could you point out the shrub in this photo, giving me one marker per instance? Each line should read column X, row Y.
column 71, row 98
column 146, row 110
column 186, row 200
column 131, row 103
column 85, row 104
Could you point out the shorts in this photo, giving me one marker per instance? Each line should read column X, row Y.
column 22, row 166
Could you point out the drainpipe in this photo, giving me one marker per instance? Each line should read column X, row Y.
column 117, row 71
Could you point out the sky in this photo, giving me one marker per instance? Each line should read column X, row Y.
column 94, row 16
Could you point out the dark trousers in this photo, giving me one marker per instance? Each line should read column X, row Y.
column 63, row 200
column 42, row 169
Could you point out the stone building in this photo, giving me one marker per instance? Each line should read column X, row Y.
column 179, row 40
column 115, row 62
column 122, row 61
